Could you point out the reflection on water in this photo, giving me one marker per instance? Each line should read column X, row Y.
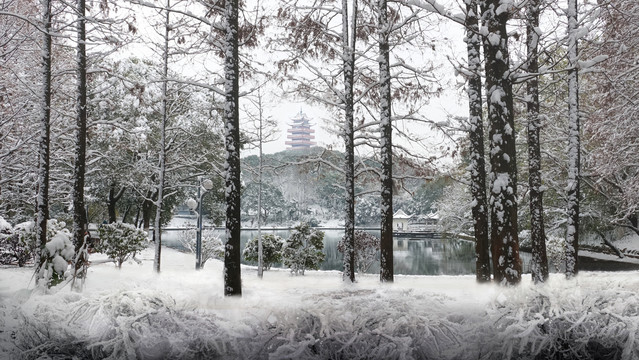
column 411, row 256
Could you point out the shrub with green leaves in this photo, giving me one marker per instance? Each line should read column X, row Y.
column 271, row 250
column 304, row 249
column 119, row 241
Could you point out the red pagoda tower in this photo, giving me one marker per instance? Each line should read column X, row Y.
column 300, row 134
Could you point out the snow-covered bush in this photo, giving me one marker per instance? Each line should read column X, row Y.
column 366, row 248
column 119, row 241
column 59, row 252
column 212, row 246
column 304, row 249
column 555, row 248
column 15, row 246
column 271, row 250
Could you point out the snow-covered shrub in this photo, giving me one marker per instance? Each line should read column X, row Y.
column 304, row 249
column 366, row 248
column 212, row 246
column 271, row 250
column 14, row 248
column 119, row 241
column 59, row 252
column 555, row 248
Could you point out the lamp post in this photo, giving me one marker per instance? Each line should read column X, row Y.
column 204, row 185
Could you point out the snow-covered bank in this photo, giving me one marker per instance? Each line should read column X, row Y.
column 180, row 313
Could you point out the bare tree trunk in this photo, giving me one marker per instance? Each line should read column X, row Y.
column 157, row 227
column 232, row 270
column 503, row 176
column 386, row 138
column 539, row 268
column 112, row 202
column 348, row 53
column 42, row 200
column 572, row 234
column 477, row 160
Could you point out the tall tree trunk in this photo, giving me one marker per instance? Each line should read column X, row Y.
column 42, row 200
column 232, row 271
column 503, row 176
column 477, row 161
column 79, row 170
column 348, row 53
column 386, row 147
column 147, row 209
column 539, row 268
column 112, row 202
column 157, row 226
column 572, row 234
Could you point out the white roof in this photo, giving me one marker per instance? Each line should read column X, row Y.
column 400, row 214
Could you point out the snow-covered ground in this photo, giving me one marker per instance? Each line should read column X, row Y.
column 133, row 313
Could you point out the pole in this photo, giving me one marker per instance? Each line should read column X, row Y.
column 198, row 239
column 260, row 260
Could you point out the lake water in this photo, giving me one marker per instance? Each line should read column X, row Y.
column 410, row 256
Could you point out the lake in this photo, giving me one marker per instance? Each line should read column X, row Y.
column 411, row 256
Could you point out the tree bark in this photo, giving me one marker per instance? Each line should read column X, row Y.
column 503, row 176
column 157, row 227
column 572, row 233
column 348, row 53
column 42, row 200
column 112, row 202
column 386, row 151
column 232, row 271
column 539, row 268
column 477, row 161
column 79, row 170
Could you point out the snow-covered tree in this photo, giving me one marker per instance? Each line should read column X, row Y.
column 366, row 248
column 212, row 246
column 574, row 145
column 501, row 136
column 42, row 202
column 539, row 268
column 271, row 250
column 477, row 167
column 120, row 241
column 303, row 250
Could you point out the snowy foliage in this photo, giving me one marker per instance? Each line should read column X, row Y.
column 366, row 250
column 271, row 250
column 304, row 249
column 119, row 241
column 16, row 245
column 212, row 246
column 177, row 314
column 59, row 252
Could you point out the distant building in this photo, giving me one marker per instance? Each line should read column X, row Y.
column 300, row 134
column 400, row 220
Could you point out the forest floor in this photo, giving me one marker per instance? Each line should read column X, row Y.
column 133, row 313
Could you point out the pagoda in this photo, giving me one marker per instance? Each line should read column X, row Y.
column 300, row 134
